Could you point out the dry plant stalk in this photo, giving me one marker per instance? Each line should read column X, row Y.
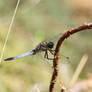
column 81, row 86
column 57, row 51
column 79, row 69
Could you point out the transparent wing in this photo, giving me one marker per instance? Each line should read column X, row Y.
column 54, row 38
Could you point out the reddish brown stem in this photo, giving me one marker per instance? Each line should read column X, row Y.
column 57, row 51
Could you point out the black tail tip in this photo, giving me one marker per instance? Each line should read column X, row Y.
column 8, row 59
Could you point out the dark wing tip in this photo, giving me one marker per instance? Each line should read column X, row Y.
column 8, row 59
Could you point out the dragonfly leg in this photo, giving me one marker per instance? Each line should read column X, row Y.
column 46, row 56
column 52, row 51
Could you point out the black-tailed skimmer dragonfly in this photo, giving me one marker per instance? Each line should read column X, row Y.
column 41, row 47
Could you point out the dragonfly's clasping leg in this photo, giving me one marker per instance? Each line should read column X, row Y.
column 52, row 51
column 46, row 55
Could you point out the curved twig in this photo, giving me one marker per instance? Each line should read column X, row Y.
column 57, row 51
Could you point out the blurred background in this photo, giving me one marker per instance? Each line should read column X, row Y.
column 37, row 20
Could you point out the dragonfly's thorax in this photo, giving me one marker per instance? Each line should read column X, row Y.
column 46, row 45
column 43, row 46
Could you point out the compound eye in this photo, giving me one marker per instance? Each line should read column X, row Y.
column 50, row 45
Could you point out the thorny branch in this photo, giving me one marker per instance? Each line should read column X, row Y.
column 57, row 51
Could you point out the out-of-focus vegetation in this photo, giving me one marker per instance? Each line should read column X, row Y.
column 35, row 21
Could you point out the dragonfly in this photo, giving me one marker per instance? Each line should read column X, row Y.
column 44, row 46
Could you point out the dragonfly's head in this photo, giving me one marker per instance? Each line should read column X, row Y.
column 50, row 45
